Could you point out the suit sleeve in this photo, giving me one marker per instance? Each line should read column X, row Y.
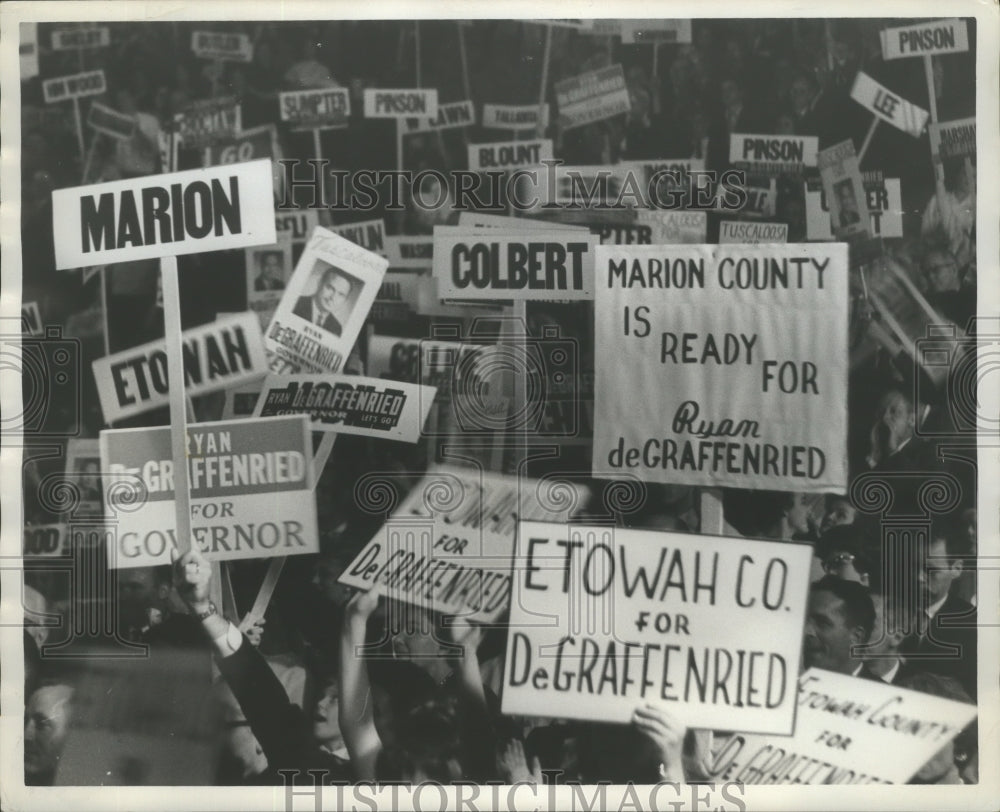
column 280, row 726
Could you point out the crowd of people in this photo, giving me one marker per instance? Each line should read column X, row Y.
column 366, row 689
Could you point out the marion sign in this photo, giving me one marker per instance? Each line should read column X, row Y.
column 187, row 212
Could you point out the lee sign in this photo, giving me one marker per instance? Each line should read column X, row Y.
column 164, row 215
column 889, row 107
column 251, row 490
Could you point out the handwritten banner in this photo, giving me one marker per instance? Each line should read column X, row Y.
column 847, row 731
column 737, row 372
column 449, row 545
column 607, row 619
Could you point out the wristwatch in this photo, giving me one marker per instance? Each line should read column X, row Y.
column 212, row 610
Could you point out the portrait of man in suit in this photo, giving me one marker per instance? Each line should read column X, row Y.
column 329, row 307
column 847, row 210
column 270, row 275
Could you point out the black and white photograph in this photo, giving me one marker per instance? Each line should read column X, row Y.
column 421, row 406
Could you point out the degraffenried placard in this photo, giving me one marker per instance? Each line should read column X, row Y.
column 223, row 353
column 251, row 490
column 848, row 730
column 607, row 619
column 350, row 404
column 737, row 372
column 448, row 546
column 324, row 306
column 188, row 212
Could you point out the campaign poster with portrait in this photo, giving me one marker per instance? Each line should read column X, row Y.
column 324, row 305
column 268, row 269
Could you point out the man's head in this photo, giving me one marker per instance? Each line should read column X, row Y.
column 942, row 563
column 801, row 92
column 271, row 265
column 941, row 270
column 839, row 511
column 895, row 420
column 730, row 92
column 333, row 293
column 326, row 716
column 46, row 723
column 845, row 195
column 840, row 616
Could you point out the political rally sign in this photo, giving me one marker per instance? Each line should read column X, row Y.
column 844, row 189
column 590, row 187
column 251, row 490
column 324, row 305
column 732, row 231
column 925, row 39
column 90, row 83
column 316, row 109
column 449, row 545
column 475, row 220
column 491, row 264
column 369, row 234
column 737, row 373
column 449, row 116
column 664, row 179
column 762, row 194
column 67, row 39
column 509, row 154
column 519, row 117
column 675, row 31
column 45, row 541
column 83, row 470
column 773, row 154
column 674, row 227
column 401, row 103
column 31, row 319
column 848, row 730
column 607, row 619
column 217, row 355
column 209, row 121
column 298, row 224
column 349, row 404
column 222, row 45
column 953, row 139
column 883, row 201
column 250, row 145
column 592, row 96
column 409, row 252
column 188, row 212
column 888, row 106
column 268, row 269
column 110, row 122
column 399, row 297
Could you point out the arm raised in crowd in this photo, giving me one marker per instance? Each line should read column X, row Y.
column 357, row 713
column 278, row 724
column 467, row 636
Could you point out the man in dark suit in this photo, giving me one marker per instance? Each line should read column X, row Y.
column 839, row 619
column 328, row 306
column 883, row 661
column 945, row 641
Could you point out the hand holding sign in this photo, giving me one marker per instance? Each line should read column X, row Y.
column 192, row 578
column 668, row 735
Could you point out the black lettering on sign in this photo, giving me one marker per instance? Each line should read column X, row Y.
column 193, row 211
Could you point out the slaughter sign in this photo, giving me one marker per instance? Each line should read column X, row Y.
column 251, row 490
column 737, row 372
